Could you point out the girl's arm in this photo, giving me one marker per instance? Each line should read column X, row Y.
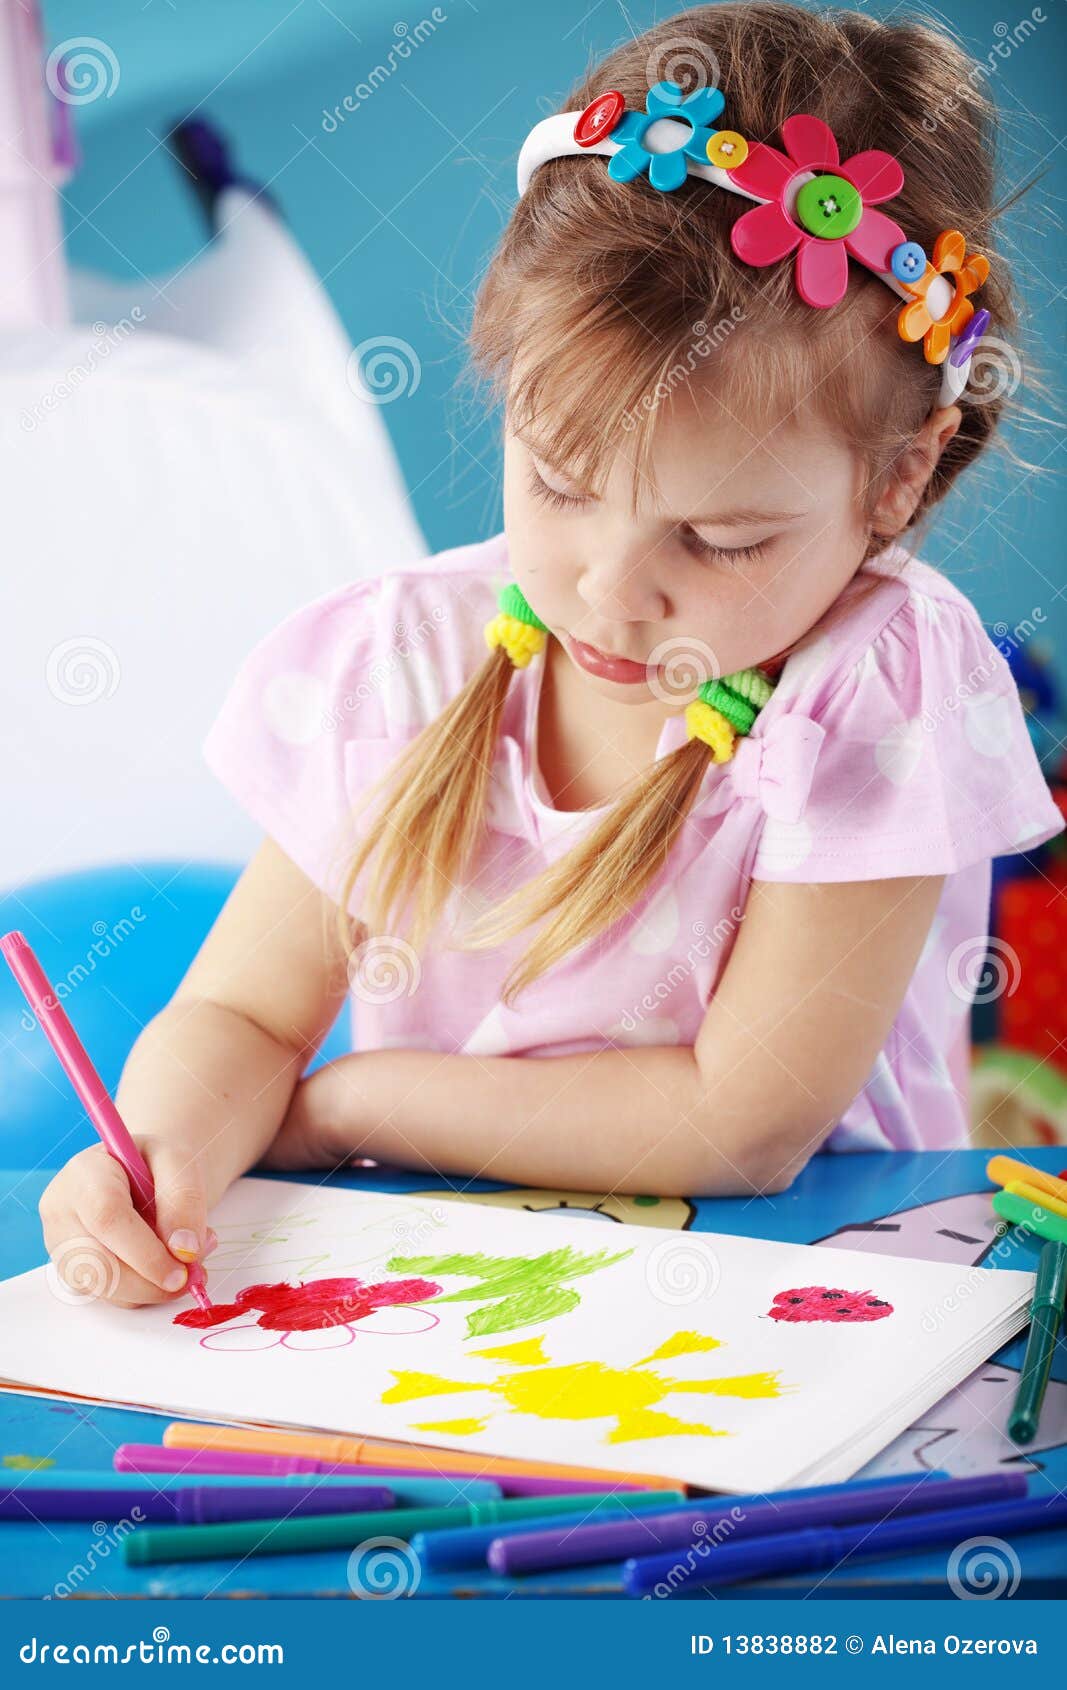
column 803, row 1007
column 216, row 1069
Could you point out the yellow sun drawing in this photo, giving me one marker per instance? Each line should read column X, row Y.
column 587, row 1390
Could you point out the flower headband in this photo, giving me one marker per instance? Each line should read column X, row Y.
column 808, row 201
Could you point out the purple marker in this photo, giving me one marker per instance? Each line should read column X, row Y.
column 196, row 1505
column 160, row 1458
column 706, row 1529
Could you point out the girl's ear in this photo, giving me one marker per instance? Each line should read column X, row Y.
column 911, row 471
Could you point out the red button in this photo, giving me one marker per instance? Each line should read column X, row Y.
column 599, row 118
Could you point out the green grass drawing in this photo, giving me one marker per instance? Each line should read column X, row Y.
column 515, row 1290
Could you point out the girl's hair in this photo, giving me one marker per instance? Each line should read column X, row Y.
column 615, row 292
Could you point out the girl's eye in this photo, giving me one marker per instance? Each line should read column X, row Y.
column 551, row 495
column 730, row 557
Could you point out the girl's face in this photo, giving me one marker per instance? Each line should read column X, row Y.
column 740, row 543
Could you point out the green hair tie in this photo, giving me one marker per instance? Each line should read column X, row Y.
column 737, row 710
column 511, row 600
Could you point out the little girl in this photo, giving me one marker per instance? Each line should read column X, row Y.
column 652, row 836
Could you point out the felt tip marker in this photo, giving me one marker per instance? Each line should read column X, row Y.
column 92, row 1092
column 337, row 1531
column 810, row 1551
column 1046, row 1314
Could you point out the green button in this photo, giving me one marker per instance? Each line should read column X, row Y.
column 829, row 206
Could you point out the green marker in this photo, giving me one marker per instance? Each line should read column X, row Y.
column 347, row 1531
column 1032, row 1216
column 1046, row 1313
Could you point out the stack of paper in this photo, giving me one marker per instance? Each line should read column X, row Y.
column 730, row 1363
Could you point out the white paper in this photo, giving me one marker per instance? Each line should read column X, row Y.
column 664, row 1361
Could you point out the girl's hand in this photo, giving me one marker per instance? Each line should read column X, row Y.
column 99, row 1244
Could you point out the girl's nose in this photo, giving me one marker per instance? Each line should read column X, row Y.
column 620, row 583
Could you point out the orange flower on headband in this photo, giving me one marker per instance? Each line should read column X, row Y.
column 970, row 270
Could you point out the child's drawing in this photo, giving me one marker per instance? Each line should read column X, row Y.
column 586, row 1390
column 516, row 1290
column 820, row 1302
column 670, row 1213
column 325, row 1314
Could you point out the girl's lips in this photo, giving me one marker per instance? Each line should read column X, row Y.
column 608, row 668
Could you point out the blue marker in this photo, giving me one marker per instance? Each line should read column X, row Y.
column 468, row 1546
column 806, row 1552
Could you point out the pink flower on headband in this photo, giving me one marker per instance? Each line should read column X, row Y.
column 828, row 216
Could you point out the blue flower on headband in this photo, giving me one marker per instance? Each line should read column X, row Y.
column 665, row 171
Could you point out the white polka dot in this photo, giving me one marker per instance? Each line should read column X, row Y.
column 987, row 719
column 808, row 662
column 897, row 752
column 490, row 1037
column 867, row 668
column 412, row 690
column 881, row 1085
column 294, row 704
column 787, row 844
column 933, row 940
column 659, row 1030
column 1026, row 830
column 657, row 928
column 927, row 609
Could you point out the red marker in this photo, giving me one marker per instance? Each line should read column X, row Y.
column 90, row 1088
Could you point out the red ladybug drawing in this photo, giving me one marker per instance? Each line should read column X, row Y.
column 821, row 1302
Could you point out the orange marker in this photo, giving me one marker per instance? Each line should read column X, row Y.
column 355, row 1452
column 1003, row 1169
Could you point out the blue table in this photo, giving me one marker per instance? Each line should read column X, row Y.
column 913, row 1204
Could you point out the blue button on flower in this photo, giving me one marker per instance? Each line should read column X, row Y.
column 665, row 170
column 907, row 262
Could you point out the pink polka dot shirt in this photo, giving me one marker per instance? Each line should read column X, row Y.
column 894, row 744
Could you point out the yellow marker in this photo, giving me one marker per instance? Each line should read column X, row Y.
column 1001, row 1169
column 1020, row 1188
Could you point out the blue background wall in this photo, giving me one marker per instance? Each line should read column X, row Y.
column 399, row 207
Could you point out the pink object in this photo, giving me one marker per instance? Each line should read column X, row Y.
column 36, row 155
column 159, row 1458
column 55, row 1024
column 769, row 233
column 925, row 766
column 830, row 1304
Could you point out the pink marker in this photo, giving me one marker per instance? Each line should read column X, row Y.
column 89, row 1087
column 161, row 1458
